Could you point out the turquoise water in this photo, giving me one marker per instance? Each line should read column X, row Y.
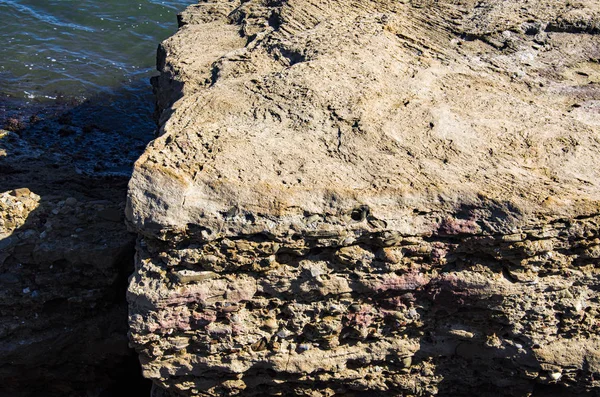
column 79, row 48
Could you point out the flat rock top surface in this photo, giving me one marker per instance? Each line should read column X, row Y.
column 403, row 111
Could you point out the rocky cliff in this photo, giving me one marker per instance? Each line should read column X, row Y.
column 372, row 198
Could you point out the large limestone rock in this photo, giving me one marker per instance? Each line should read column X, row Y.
column 372, row 198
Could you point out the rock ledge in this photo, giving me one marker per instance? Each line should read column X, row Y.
column 386, row 197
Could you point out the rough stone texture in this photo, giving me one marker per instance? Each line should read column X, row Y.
column 65, row 255
column 372, row 198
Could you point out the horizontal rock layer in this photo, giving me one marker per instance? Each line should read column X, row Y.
column 358, row 198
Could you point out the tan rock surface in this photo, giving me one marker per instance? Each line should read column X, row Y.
column 393, row 197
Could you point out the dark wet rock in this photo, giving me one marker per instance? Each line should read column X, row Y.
column 65, row 256
column 14, row 124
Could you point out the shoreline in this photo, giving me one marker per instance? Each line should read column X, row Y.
column 102, row 135
column 331, row 209
column 65, row 252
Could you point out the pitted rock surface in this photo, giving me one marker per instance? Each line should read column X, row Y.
column 372, row 198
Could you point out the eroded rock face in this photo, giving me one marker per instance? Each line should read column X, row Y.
column 372, row 198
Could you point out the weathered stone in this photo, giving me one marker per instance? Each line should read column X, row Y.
column 22, row 192
column 394, row 197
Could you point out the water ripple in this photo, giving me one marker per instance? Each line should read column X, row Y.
column 80, row 48
column 44, row 17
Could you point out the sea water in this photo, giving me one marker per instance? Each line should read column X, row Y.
column 79, row 48
column 75, row 75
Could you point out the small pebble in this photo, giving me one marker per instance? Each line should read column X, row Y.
column 413, row 313
column 399, row 315
column 312, row 219
column 556, row 375
column 71, row 201
column 22, row 192
column 284, row 333
column 271, row 323
column 303, row 347
column 228, row 308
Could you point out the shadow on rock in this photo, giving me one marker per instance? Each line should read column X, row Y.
column 65, row 252
column 488, row 333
